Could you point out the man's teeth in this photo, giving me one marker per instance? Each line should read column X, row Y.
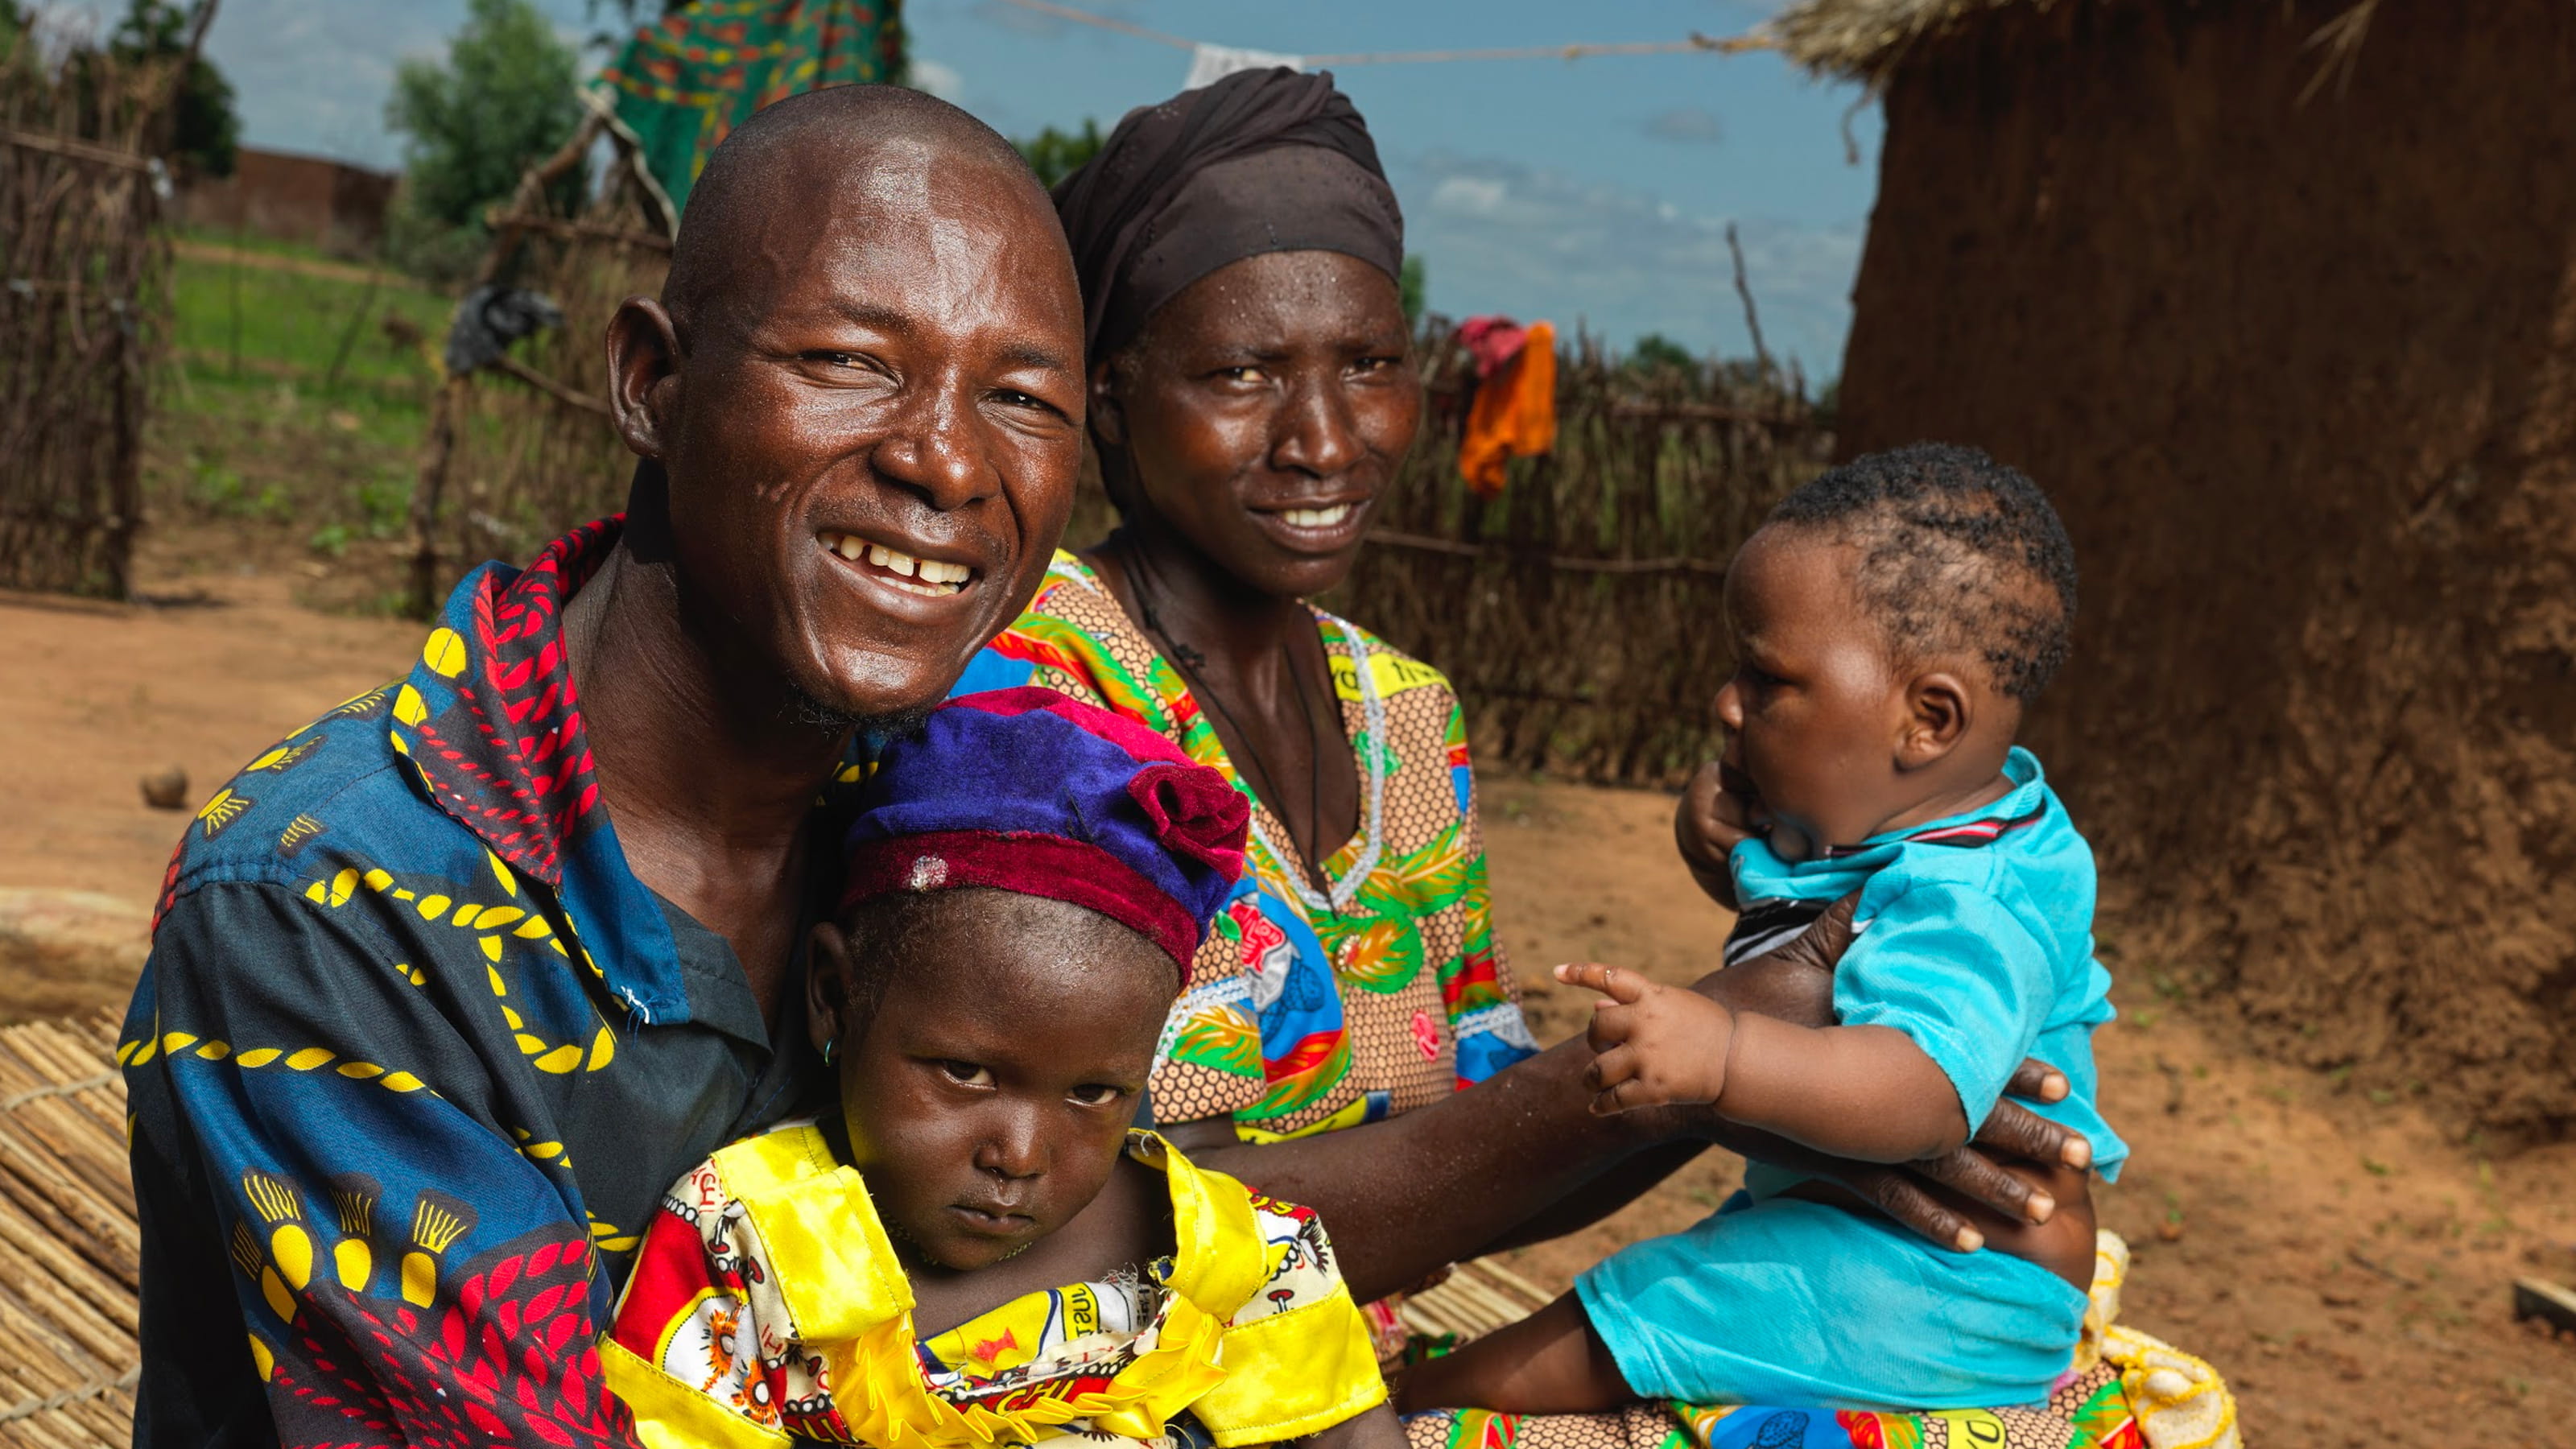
column 1315, row 517
column 938, row 578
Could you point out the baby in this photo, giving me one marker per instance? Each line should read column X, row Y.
column 976, row 1248
column 1890, row 622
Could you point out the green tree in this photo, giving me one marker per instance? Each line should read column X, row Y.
column 1655, row 352
column 1055, row 155
column 206, row 133
column 1413, row 287
column 502, row 101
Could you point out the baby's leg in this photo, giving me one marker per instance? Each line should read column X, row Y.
column 1551, row 1362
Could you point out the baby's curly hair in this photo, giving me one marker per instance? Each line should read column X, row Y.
column 1960, row 555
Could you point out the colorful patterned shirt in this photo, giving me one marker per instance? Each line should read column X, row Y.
column 416, row 1056
column 768, row 1307
column 1306, row 1011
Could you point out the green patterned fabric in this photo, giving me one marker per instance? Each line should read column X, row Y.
column 683, row 83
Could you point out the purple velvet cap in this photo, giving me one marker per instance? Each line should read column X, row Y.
column 1025, row 790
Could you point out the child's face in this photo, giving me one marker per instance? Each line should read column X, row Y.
column 989, row 1095
column 1816, row 712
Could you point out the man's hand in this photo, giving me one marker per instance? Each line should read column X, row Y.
column 1708, row 826
column 1655, row 1046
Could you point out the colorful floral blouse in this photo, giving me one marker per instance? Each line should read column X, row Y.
column 767, row 1307
column 1310, row 1011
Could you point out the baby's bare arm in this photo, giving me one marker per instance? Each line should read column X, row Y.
column 1862, row 1092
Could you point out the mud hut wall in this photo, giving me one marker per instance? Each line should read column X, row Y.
column 313, row 199
column 2302, row 378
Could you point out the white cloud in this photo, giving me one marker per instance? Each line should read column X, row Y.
column 939, row 79
column 1468, row 196
column 1502, row 236
column 1691, row 125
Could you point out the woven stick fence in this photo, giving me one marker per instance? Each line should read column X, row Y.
column 82, row 288
column 523, row 450
column 70, row 1252
column 1579, row 614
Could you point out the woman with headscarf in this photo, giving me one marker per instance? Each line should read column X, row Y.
column 1252, row 395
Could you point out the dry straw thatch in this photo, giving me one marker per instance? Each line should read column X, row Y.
column 1870, row 40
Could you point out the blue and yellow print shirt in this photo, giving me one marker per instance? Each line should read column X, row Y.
column 415, row 1056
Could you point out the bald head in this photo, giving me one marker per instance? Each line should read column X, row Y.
column 773, row 165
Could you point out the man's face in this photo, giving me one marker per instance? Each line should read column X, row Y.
column 877, row 424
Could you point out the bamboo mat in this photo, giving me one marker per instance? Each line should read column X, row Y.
column 69, row 1247
column 1474, row 1300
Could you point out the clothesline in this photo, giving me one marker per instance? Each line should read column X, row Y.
column 1714, row 45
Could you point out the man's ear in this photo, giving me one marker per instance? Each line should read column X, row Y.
column 643, row 374
column 827, row 986
column 1939, row 710
column 1108, row 417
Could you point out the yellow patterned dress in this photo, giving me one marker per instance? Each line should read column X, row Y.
column 767, row 1308
column 1310, row 1010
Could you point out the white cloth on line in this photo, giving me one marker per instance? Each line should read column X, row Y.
column 1212, row 63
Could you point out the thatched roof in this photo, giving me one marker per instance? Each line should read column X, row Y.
column 1868, row 40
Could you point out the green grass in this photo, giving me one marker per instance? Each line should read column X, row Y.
column 239, row 318
column 285, row 407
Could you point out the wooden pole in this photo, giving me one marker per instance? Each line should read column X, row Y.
column 443, row 411
column 349, row 334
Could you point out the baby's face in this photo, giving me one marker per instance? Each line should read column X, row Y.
column 1815, row 710
column 990, row 1094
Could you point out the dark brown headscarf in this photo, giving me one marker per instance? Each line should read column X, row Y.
column 1261, row 161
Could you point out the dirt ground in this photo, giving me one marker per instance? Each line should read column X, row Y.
column 2344, row 1256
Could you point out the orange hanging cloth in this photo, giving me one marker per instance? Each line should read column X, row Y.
column 1514, row 415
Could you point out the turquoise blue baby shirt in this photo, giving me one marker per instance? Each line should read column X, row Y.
column 1975, row 939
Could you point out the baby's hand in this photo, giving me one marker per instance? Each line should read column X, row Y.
column 1711, row 822
column 1656, row 1045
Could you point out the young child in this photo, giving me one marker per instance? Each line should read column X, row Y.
column 1890, row 622
column 975, row 1248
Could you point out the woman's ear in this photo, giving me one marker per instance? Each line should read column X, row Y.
column 827, row 987
column 1939, row 710
column 1108, row 417
column 643, row 374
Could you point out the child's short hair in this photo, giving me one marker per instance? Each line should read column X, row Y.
column 908, row 927
column 1960, row 555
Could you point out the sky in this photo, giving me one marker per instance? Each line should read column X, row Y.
column 1592, row 192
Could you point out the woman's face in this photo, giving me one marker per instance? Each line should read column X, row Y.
column 1264, row 411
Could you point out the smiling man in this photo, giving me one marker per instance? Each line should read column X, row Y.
column 448, row 987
